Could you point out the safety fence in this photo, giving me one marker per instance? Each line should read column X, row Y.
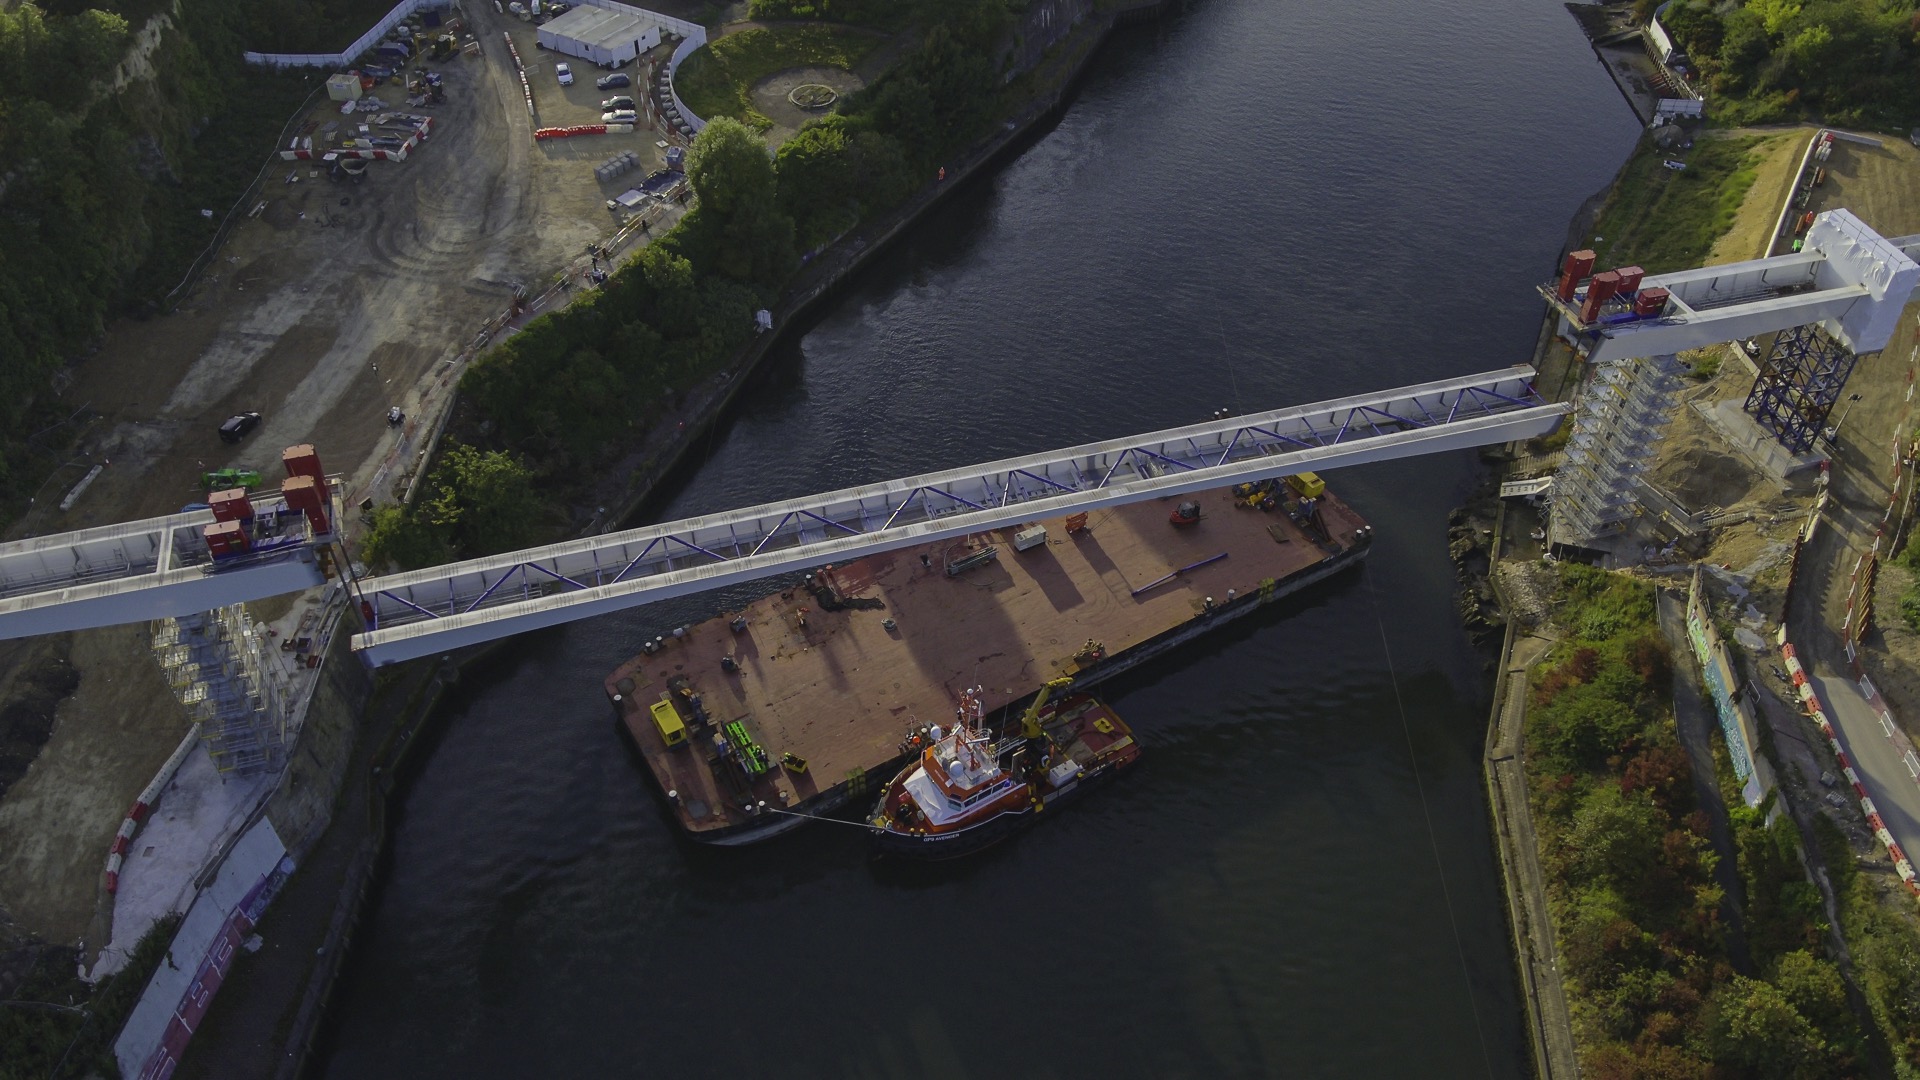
column 1804, row 536
column 1737, row 723
column 422, row 130
column 352, row 52
column 1887, row 536
column 409, row 456
column 1810, row 701
column 686, row 49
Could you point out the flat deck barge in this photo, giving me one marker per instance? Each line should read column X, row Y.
column 805, row 698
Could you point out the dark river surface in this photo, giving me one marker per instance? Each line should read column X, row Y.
column 1254, row 203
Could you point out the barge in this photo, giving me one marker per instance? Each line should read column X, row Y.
column 758, row 720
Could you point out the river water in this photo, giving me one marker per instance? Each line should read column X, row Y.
column 1251, row 204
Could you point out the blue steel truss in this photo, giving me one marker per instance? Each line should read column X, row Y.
column 485, row 598
column 1798, row 384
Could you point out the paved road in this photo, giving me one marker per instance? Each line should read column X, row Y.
column 1875, row 758
column 1859, row 493
column 1526, row 885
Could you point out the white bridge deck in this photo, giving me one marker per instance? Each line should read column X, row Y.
column 434, row 610
column 150, row 569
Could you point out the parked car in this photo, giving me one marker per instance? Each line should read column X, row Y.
column 614, row 81
column 620, row 116
column 613, row 103
column 564, row 74
column 239, row 426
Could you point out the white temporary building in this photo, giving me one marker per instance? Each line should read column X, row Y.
column 602, row 36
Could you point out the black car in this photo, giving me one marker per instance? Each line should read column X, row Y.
column 239, row 426
column 613, row 81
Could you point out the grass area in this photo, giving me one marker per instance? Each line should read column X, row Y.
column 1665, row 219
column 718, row 80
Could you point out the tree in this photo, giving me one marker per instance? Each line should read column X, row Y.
column 729, row 168
column 1757, row 1030
column 483, row 502
column 395, row 536
column 738, row 229
column 1815, row 988
column 1616, row 837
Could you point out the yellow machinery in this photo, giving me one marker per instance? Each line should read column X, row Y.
column 667, row 718
column 1030, row 723
column 1307, row 485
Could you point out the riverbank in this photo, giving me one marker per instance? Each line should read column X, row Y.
column 271, row 1024
column 674, row 440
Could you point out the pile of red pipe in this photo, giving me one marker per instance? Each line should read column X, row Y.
column 569, row 132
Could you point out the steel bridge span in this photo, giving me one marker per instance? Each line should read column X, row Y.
column 433, row 610
column 161, row 567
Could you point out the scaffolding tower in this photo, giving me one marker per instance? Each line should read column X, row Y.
column 1622, row 412
column 1799, row 382
column 219, row 668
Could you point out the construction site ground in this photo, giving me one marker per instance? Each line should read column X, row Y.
column 333, row 304
column 1743, row 521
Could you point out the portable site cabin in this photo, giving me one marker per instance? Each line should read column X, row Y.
column 343, row 87
column 599, row 35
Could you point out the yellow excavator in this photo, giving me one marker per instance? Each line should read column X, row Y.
column 1030, row 723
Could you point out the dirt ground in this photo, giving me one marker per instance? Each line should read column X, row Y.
column 333, row 304
column 108, row 738
column 1753, row 227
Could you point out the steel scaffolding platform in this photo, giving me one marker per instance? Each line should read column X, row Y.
column 1623, row 411
column 1799, row 382
column 430, row 611
column 218, row 667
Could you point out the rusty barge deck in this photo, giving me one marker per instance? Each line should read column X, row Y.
column 832, row 694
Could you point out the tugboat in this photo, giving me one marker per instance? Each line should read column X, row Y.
column 970, row 789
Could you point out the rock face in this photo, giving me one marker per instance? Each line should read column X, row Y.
column 1469, row 545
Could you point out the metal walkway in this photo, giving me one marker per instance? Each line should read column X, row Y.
column 430, row 611
column 152, row 569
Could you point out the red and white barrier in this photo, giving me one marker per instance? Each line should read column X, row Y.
column 143, row 806
column 1811, row 702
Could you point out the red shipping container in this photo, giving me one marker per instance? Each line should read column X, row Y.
column 302, row 461
column 226, row 538
column 309, row 496
column 1578, row 265
column 1650, row 303
column 231, row 505
column 1629, row 280
column 1599, row 291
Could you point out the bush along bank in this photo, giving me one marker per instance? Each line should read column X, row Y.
column 575, row 390
column 1651, row 984
column 1853, row 62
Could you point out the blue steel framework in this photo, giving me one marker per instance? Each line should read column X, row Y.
column 1798, row 385
column 981, row 496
